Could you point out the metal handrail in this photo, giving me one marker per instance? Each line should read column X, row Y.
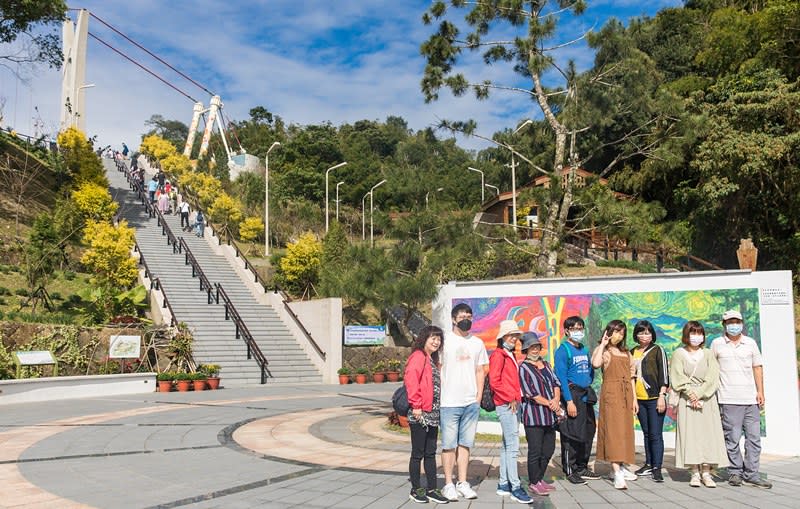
column 155, row 283
column 166, row 230
column 242, row 331
column 197, row 271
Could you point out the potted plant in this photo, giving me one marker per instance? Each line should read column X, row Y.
column 344, row 375
column 183, row 381
column 212, row 375
column 164, row 381
column 393, row 370
column 379, row 372
column 199, row 380
column 361, row 375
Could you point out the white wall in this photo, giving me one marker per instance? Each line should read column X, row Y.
column 777, row 333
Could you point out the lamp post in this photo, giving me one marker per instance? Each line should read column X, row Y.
column 78, row 118
column 426, row 195
column 514, row 178
column 371, row 233
column 483, row 195
column 337, row 200
column 496, row 189
column 364, row 217
column 266, row 198
column 326, row 191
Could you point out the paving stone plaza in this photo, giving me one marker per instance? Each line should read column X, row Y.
column 280, row 446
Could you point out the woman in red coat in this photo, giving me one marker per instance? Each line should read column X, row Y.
column 423, row 385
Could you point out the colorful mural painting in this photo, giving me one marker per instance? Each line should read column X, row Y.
column 668, row 311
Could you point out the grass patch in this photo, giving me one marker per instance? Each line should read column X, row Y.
column 63, row 289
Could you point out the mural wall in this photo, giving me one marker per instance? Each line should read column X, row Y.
column 668, row 311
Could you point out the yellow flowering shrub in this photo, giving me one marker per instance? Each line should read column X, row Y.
column 80, row 160
column 94, row 202
column 156, row 147
column 300, row 266
column 108, row 253
column 176, row 165
column 224, row 210
column 251, row 228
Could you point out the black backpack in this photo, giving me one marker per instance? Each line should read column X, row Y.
column 487, row 398
column 400, row 400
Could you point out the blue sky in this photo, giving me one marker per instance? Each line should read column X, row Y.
column 309, row 61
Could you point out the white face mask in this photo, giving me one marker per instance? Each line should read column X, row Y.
column 734, row 329
column 696, row 339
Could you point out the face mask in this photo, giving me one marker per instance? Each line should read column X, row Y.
column 534, row 356
column 616, row 339
column 576, row 335
column 695, row 340
column 734, row 329
column 644, row 339
column 465, row 324
column 509, row 346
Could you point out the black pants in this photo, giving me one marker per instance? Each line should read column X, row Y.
column 184, row 217
column 541, row 445
column 423, row 448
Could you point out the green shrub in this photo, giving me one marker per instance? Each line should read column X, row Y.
column 22, row 292
column 56, row 296
column 69, row 275
column 627, row 264
column 4, row 291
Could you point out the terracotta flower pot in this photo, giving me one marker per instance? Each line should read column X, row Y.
column 378, row 378
column 164, row 385
column 199, row 385
column 403, row 420
column 213, row 383
column 393, row 376
column 183, row 385
column 344, row 379
column 361, row 379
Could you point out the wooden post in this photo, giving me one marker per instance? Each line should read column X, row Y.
column 747, row 254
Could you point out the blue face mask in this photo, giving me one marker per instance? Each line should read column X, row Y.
column 509, row 346
column 734, row 329
column 577, row 335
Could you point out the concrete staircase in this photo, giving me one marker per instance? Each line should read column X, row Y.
column 214, row 338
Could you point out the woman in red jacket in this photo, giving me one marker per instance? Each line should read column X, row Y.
column 423, row 385
column 504, row 381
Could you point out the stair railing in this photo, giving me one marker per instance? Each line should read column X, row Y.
column 155, row 284
column 166, row 230
column 296, row 319
column 243, row 332
column 197, row 271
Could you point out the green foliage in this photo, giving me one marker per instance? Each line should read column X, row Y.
column 93, row 202
column 108, row 255
column 81, row 163
column 173, row 131
column 29, row 24
column 225, row 211
column 299, row 268
column 251, row 229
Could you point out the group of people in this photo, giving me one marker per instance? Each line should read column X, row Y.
column 716, row 389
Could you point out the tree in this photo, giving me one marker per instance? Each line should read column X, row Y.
column 299, row 269
column 108, row 255
column 80, row 160
column 251, row 229
column 173, row 131
column 94, row 203
column 26, row 23
column 42, row 254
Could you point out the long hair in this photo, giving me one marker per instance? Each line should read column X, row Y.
column 614, row 326
column 422, row 338
column 642, row 326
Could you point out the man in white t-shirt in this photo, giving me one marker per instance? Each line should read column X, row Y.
column 741, row 396
column 464, row 367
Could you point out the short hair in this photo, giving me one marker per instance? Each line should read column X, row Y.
column 617, row 325
column 572, row 321
column 642, row 326
column 692, row 326
column 458, row 308
column 422, row 338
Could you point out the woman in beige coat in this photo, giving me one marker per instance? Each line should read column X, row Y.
column 694, row 373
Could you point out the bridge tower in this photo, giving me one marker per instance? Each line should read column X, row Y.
column 73, row 105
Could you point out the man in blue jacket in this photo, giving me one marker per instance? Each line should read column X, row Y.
column 575, row 372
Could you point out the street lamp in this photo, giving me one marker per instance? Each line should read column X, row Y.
column 78, row 118
column 337, row 200
column 426, row 196
column 496, row 189
column 326, row 191
column 483, row 196
column 364, row 217
column 371, row 192
column 514, row 177
column 266, row 198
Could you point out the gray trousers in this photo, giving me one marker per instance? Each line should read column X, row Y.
column 735, row 419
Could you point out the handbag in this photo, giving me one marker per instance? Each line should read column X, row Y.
column 487, row 398
column 400, row 401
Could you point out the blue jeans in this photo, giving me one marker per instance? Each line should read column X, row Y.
column 509, row 423
column 458, row 425
column 652, row 424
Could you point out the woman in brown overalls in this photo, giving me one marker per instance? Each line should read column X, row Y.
column 618, row 405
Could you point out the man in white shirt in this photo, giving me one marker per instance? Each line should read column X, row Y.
column 464, row 367
column 741, row 396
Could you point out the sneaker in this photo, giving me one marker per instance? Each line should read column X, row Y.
column 708, row 482
column 645, row 470
column 519, row 495
column 546, row 485
column 735, row 480
column 694, row 482
column 418, row 496
column 589, row 474
column 656, row 473
column 436, row 497
column 575, row 478
column 619, row 481
column 758, row 483
column 538, row 489
column 449, row 492
column 504, row 489
column 465, row 490
column 629, row 476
